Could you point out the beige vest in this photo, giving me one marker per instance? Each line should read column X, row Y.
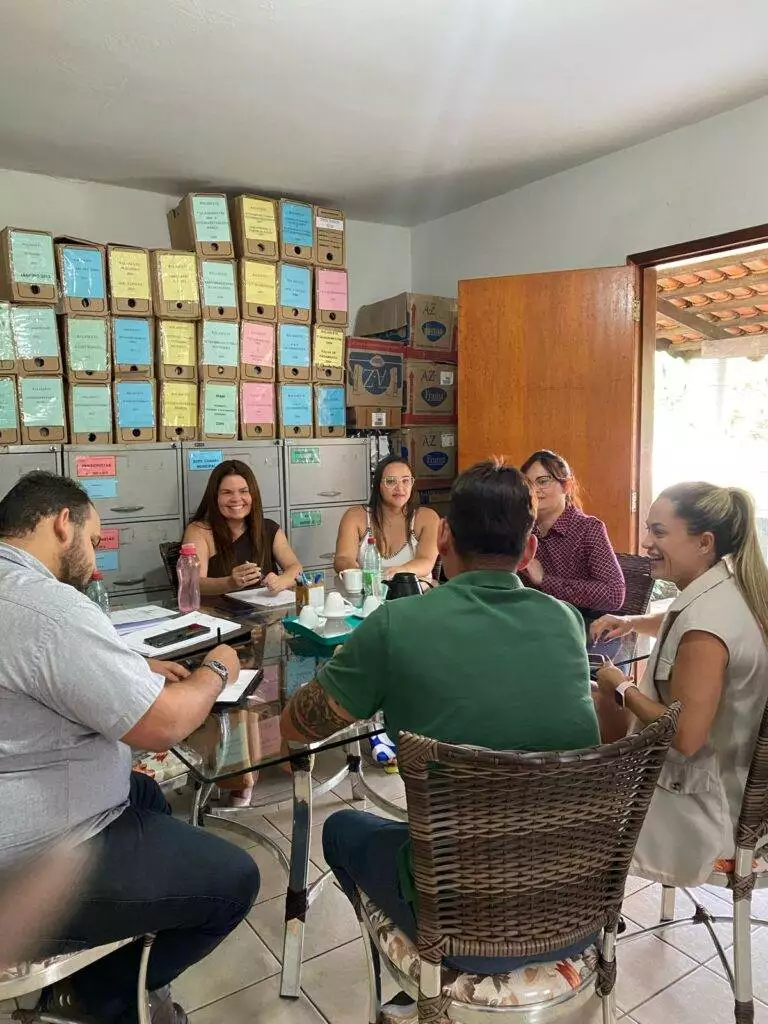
column 695, row 809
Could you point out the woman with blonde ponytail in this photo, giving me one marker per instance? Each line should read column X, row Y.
column 711, row 655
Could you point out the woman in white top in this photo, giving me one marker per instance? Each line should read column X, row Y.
column 406, row 536
column 711, row 655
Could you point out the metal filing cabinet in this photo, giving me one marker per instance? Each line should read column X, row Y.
column 264, row 458
column 323, row 477
column 17, row 460
column 137, row 492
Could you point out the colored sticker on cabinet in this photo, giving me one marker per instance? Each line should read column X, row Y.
column 100, row 487
column 305, row 456
column 107, row 561
column 306, row 517
column 110, row 539
column 95, row 465
column 205, row 459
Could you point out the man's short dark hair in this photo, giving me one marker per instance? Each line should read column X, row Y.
column 492, row 511
column 39, row 496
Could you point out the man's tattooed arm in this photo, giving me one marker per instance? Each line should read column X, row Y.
column 312, row 714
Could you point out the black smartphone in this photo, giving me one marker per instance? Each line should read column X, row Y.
column 596, row 662
column 193, row 631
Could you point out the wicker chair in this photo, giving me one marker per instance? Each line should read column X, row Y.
column 638, row 583
column 515, row 854
column 741, row 878
column 27, row 978
column 169, row 552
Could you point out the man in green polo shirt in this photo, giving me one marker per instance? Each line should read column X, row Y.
column 482, row 660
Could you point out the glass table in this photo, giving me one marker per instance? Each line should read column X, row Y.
column 246, row 738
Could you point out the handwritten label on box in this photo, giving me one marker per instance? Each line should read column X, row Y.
column 295, row 286
column 42, row 401
column 329, row 346
column 296, row 404
column 260, row 221
column 135, row 404
column 211, row 218
column 91, row 411
column 219, row 343
column 205, row 459
column 296, row 224
column 177, row 343
column 87, row 346
column 132, row 341
column 260, row 283
column 332, row 290
column 95, row 465
column 32, row 258
column 83, row 273
column 258, row 400
column 129, row 274
column 178, row 276
column 110, row 539
column 219, row 287
column 293, row 345
column 257, row 342
column 101, row 487
column 220, row 409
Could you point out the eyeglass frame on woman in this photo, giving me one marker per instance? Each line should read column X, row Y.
column 544, row 481
column 393, row 481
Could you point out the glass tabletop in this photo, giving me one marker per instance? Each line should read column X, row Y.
column 246, row 737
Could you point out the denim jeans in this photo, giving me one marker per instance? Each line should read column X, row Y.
column 153, row 873
column 361, row 850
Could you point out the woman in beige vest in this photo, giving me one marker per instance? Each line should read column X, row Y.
column 711, row 655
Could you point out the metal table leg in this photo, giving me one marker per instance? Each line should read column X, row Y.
column 296, row 901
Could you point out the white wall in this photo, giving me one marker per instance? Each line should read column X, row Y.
column 379, row 255
column 698, row 181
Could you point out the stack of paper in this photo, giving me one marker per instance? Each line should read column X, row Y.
column 260, row 597
column 130, row 619
column 136, row 639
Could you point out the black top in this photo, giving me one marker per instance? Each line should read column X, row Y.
column 244, row 553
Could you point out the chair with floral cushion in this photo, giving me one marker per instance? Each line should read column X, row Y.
column 748, row 871
column 515, row 855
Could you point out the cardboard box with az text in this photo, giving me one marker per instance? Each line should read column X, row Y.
column 431, row 452
column 429, row 392
column 425, row 323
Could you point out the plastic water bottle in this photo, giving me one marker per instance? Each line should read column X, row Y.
column 371, row 570
column 97, row 592
column 188, row 572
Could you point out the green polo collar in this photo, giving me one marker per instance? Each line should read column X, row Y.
column 487, row 578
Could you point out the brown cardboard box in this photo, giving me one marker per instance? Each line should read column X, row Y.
column 178, row 411
column 254, row 226
column 330, row 417
column 7, row 353
column 294, row 352
column 258, row 414
column 258, row 290
column 10, row 432
column 36, row 340
column 201, row 223
column 27, row 266
column 87, row 349
column 176, row 350
column 257, row 351
column 438, row 500
column 130, row 281
column 218, row 289
column 218, row 411
column 424, row 322
column 297, row 231
column 331, row 297
column 176, row 289
column 42, row 413
column 82, row 270
column 431, row 451
column 330, row 248
column 429, row 392
column 295, row 410
column 218, row 349
column 374, row 417
column 90, row 413
column 294, row 293
column 133, row 346
column 135, row 411
column 327, row 354
column 374, row 373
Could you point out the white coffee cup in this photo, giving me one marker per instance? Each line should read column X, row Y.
column 353, row 580
column 308, row 617
column 370, row 604
column 335, row 606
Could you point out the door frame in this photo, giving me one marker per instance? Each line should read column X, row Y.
column 647, row 262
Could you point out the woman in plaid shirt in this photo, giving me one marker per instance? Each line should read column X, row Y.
column 575, row 561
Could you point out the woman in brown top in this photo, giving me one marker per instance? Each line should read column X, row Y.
column 237, row 547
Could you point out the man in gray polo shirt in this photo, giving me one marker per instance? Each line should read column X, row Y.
column 73, row 699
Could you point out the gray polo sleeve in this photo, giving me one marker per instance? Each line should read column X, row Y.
column 84, row 671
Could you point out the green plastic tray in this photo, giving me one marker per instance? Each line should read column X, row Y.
column 291, row 624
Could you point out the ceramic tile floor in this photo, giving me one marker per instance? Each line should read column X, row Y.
column 673, row 979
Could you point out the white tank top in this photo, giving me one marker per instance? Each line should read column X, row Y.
column 406, row 553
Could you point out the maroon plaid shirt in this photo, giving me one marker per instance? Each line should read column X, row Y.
column 579, row 563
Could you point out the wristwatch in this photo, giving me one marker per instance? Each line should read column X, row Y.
column 221, row 670
column 621, row 691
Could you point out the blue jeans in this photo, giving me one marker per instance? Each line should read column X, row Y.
column 361, row 850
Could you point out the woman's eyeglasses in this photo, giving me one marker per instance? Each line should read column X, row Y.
column 393, row 481
column 541, row 482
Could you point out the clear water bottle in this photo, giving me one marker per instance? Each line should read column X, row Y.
column 97, row 592
column 188, row 572
column 371, row 570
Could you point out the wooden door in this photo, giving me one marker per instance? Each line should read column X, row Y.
column 553, row 361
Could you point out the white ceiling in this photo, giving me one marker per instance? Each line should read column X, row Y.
column 396, row 110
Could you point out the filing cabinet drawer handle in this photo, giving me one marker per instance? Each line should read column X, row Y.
column 127, row 508
column 326, row 494
column 129, row 583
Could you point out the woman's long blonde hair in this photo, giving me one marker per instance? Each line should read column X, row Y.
column 728, row 513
